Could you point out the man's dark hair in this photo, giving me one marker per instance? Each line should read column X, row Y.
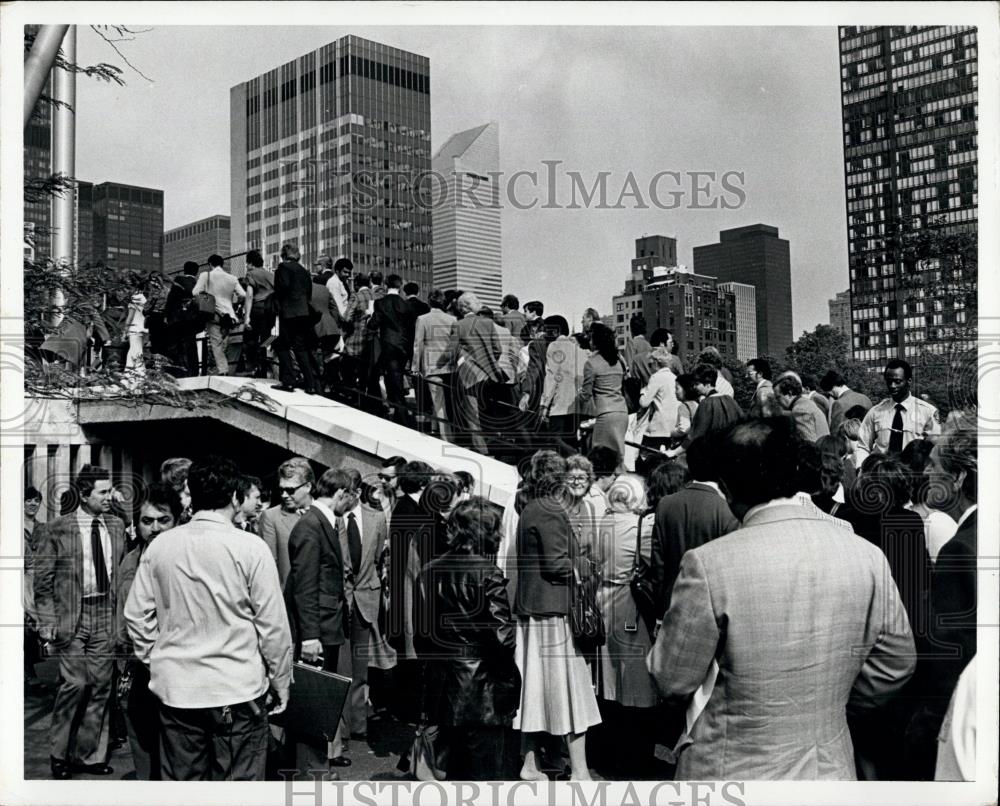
column 831, row 379
column 686, row 381
column 254, row 259
column 467, row 479
column 706, row 374
column 883, row 485
column 333, row 480
column 789, row 385
column 32, row 494
column 474, row 524
column 659, row 336
column 700, row 459
column 758, row 461
column 486, row 311
column 855, row 413
column 808, row 382
column 411, row 289
column 375, row 277
column 915, row 457
column 899, row 363
column 510, row 302
column 215, row 260
column 163, row 497
column 535, row 306
column 604, row 460
column 603, row 340
column 88, row 477
column 556, row 324
column 810, row 468
column 244, row 484
column 343, row 264
column 190, row 268
column 761, row 366
column 394, row 461
column 361, row 280
column 212, row 482
column 414, row 476
column 637, row 325
column 393, row 281
column 436, row 299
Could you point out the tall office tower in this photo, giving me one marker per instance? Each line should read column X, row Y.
column 651, row 251
column 84, row 223
column 755, row 255
column 128, row 227
column 467, row 214
column 693, row 308
column 840, row 312
column 38, row 166
column 746, row 318
column 910, row 156
column 196, row 241
column 328, row 151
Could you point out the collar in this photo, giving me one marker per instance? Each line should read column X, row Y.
column 415, row 497
column 327, row 512
column 967, row 513
column 85, row 517
column 794, row 501
column 394, row 291
column 906, row 402
column 711, row 485
column 837, row 395
column 763, row 382
column 211, row 515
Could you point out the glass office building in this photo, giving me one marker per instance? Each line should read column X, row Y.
column 909, row 98
column 196, row 241
column 330, row 152
column 128, row 227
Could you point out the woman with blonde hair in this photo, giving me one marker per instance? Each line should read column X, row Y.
column 625, row 690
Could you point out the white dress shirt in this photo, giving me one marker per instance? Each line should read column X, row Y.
column 86, row 520
column 340, row 296
column 919, row 422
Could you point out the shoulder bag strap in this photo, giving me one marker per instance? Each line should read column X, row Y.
column 638, row 545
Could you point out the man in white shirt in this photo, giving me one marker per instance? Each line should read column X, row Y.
column 339, row 284
column 889, row 426
column 206, row 614
column 224, row 287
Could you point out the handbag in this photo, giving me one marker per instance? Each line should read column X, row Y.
column 641, row 583
column 586, row 622
column 205, row 300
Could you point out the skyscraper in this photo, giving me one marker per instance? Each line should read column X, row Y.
column 196, row 241
column 84, row 223
column 327, row 152
column 746, row 318
column 693, row 308
column 651, row 251
column 755, row 255
column 128, row 227
column 840, row 312
column 467, row 214
column 37, row 167
column 910, row 111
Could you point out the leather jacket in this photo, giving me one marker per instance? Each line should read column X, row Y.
column 466, row 634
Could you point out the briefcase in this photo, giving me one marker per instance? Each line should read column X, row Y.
column 315, row 703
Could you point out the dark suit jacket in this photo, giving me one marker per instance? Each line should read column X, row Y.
column 322, row 301
column 396, row 321
column 409, row 521
column 474, row 347
column 59, row 572
column 314, row 591
column 714, row 413
column 419, row 307
column 685, row 520
column 293, row 288
column 534, row 379
column 545, row 567
column 180, row 290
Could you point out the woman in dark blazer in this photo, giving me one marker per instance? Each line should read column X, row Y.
column 470, row 645
column 557, row 695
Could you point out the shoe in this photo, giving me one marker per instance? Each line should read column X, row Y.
column 283, row 387
column 339, row 761
column 92, row 769
column 310, row 391
column 60, row 769
column 117, row 743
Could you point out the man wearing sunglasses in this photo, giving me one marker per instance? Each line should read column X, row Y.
column 295, row 496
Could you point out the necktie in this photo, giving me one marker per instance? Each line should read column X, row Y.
column 97, row 553
column 354, row 541
column 896, row 437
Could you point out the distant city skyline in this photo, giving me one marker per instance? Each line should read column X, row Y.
column 695, row 99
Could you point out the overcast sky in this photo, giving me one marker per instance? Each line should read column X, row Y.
column 761, row 101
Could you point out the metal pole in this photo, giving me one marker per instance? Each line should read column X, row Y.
column 64, row 154
column 39, row 63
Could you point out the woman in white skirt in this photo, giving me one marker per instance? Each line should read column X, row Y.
column 557, row 694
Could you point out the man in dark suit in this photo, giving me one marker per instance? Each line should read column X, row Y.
column 182, row 321
column 689, row 518
column 512, row 318
column 473, row 349
column 953, row 467
column 75, row 597
column 715, row 412
column 395, row 321
column 314, row 591
column 293, row 288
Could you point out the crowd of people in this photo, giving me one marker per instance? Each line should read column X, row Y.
column 783, row 593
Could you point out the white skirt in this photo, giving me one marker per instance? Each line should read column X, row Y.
column 557, row 689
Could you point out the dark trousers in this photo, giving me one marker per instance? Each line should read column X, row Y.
column 295, row 339
column 475, row 752
column 142, row 719
column 261, row 325
column 561, row 431
column 393, row 364
column 203, row 744
column 182, row 347
column 350, row 366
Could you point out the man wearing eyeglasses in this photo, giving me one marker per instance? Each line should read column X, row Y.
column 295, row 496
column 388, row 478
